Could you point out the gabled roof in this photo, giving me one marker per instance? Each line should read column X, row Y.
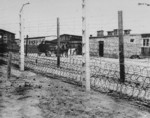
column 36, row 37
column 2, row 30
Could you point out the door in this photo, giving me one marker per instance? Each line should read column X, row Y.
column 101, row 48
column 145, row 51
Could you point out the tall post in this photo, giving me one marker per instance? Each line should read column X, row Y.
column 22, row 37
column 27, row 45
column 9, row 58
column 58, row 43
column 121, row 47
column 85, row 45
column 9, row 64
column 21, row 42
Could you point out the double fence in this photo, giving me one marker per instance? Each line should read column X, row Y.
column 105, row 74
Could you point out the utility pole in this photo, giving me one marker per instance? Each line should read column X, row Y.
column 22, row 37
column 27, row 45
column 121, row 47
column 58, row 43
column 85, row 46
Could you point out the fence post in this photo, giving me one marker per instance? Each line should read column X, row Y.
column 85, row 46
column 27, row 45
column 58, row 44
column 9, row 64
column 21, row 42
column 121, row 47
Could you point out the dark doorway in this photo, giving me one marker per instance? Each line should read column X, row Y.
column 101, row 48
column 145, row 51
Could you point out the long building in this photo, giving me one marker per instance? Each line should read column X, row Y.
column 108, row 45
column 73, row 40
column 33, row 42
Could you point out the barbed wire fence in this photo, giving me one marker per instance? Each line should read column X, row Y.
column 105, row 50
column 105, row 70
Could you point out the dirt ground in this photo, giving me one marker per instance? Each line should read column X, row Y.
column 29, row 95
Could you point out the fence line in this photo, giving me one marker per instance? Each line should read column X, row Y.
column 104, row 76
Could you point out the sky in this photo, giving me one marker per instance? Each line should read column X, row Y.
column 40, row 16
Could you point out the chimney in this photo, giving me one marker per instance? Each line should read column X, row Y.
column 116, row 32
column 110, row 33
column 127, row 32
column 100, row 33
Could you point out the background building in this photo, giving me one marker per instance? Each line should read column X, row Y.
column 7, row 40
column 31, row 43
column 73, row 40
column 108, row 45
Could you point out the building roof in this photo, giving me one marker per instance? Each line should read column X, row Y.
column 53, row 38
column 105, row 36
column 2, row 30
column 50, row 38
column 71, row 35
column 145, row 35
column 36, row 37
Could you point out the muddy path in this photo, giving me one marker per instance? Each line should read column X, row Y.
column 19, row 102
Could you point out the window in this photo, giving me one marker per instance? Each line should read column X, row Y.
column 131, row 40
column 5, row 38
column 33, row 42
column 145, row 42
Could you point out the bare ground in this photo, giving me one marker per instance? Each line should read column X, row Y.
column 28, row 95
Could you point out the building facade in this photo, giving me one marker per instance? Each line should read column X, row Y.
column 34, row 40
column 108, row 45
column 7, row 39
column 31, row 43
column 73, row 40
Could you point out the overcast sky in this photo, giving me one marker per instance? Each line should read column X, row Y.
column 40, row 16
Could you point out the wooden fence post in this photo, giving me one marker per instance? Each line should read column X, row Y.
column 121, row 47
column 9, row 65
column 58, row 44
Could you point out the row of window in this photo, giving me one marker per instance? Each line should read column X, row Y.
column 145, row 41
column 33, row 42
column 4, row 38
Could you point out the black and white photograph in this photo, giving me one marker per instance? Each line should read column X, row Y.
column 74, row 58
